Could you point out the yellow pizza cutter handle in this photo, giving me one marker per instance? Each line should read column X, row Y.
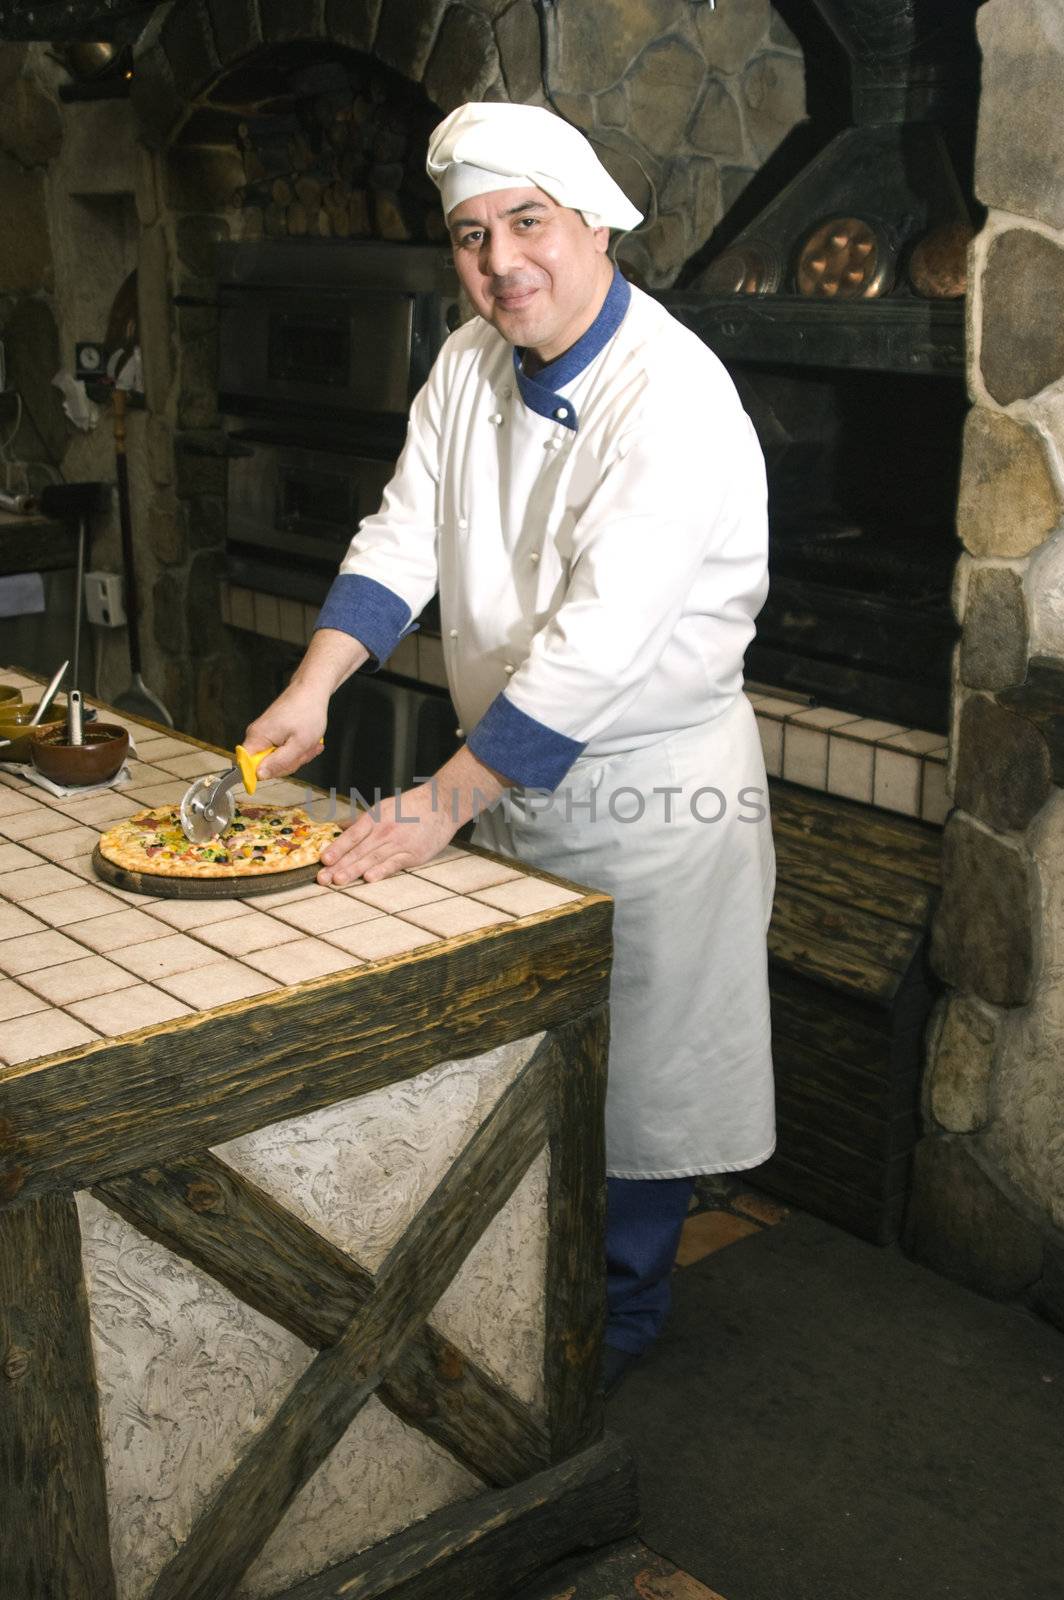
column 249, row 764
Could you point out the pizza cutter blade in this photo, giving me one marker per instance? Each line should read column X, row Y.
column 208, row 805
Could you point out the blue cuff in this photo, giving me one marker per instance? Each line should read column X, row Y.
column 369, row 612
column 522, row 749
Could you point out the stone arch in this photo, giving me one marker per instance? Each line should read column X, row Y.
column 451, row 50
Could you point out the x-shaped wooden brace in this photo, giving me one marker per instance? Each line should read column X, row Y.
column 328, row 1396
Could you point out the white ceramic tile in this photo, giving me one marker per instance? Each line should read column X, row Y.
column 159, row 794
column 33, row 824
column 287, row 897
column 239, row 935
column 935, row 802
column 321, row 915
column 140, row 774
column 16, row 923
column 267, row 615
column 77, row 980
column 12, row 800
column 159, row 750
column 242, row 608
column 914, row 739
column 159, row 958
column 770, row 707
column 771, row 732
column 897, row 781
column 805, row 756
column 71, row 906
column 44, row 1034
column 869, row 728
column 300, row 961
column 850, row 768
column 449, row 918
column 824, row 717
column 63, row 847
column 290, row 616
column 525, row 896
column 217, row 985
column 13, row 857
column 467, row 874
column 118, row 930
column 30, row 883
column 127, row 1010
column 197, row 913
column 100, row 810
column 37, row 950
column 15, row 1001
column 381, row 938
column 397, row 894
column 195, row 764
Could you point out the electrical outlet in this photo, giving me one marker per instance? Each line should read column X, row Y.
column 104, row 603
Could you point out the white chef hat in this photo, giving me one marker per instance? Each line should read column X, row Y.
column 489, row 145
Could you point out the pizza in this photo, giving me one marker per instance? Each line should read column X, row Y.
column 259, row 839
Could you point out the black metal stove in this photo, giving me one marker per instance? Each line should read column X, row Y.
column 839, row 310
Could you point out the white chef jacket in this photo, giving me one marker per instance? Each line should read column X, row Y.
column 598, row 539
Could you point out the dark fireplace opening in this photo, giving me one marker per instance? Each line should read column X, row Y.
column 863, row 469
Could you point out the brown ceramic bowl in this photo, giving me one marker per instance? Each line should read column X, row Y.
column 78, row 765
column 14, row 725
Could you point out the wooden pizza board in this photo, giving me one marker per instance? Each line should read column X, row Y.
column 151, row 883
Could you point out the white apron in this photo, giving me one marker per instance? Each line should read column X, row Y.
column 690, row 1073
column 601, row 582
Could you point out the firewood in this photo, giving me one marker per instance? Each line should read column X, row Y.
column 308, row 192
column 274, row 221
column 281, row 192
column 296, row 216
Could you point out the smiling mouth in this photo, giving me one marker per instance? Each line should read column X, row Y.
column 514, row 302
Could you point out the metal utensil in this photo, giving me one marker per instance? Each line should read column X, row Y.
column 208, row 805
column 49, row 695
column 74, row 733
column 138, row 698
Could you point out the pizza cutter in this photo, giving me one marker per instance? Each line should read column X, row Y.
column 208, row 806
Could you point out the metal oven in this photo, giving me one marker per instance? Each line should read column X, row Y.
column 337, row 331
column 322, row 346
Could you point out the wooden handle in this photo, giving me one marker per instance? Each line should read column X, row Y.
column 119, row 403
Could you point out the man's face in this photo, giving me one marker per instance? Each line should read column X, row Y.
column 532, row 268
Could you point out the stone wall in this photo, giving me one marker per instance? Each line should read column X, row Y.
column 988, row 1203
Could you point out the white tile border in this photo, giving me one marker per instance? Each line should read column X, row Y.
column 810, row 745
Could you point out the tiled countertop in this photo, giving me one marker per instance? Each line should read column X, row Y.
column 81, row 961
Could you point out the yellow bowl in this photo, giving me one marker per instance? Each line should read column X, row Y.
column 9, row 697
column 14, row 725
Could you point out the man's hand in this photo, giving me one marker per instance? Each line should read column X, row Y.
column 415, row 827
column 295, row 722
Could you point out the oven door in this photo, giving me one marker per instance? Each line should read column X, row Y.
column 299, row 500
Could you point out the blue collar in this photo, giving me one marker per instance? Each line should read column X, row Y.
column 540, row 393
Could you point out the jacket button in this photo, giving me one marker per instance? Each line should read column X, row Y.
column 453, row 633
column 463, row 523
column 561, row 413
column 534, row 557
column 508, row 669
column 496, row 418
column 459, row 733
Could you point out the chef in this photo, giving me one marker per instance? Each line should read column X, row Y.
column 582, row 488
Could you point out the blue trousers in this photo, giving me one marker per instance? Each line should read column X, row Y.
column 644, row 1217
